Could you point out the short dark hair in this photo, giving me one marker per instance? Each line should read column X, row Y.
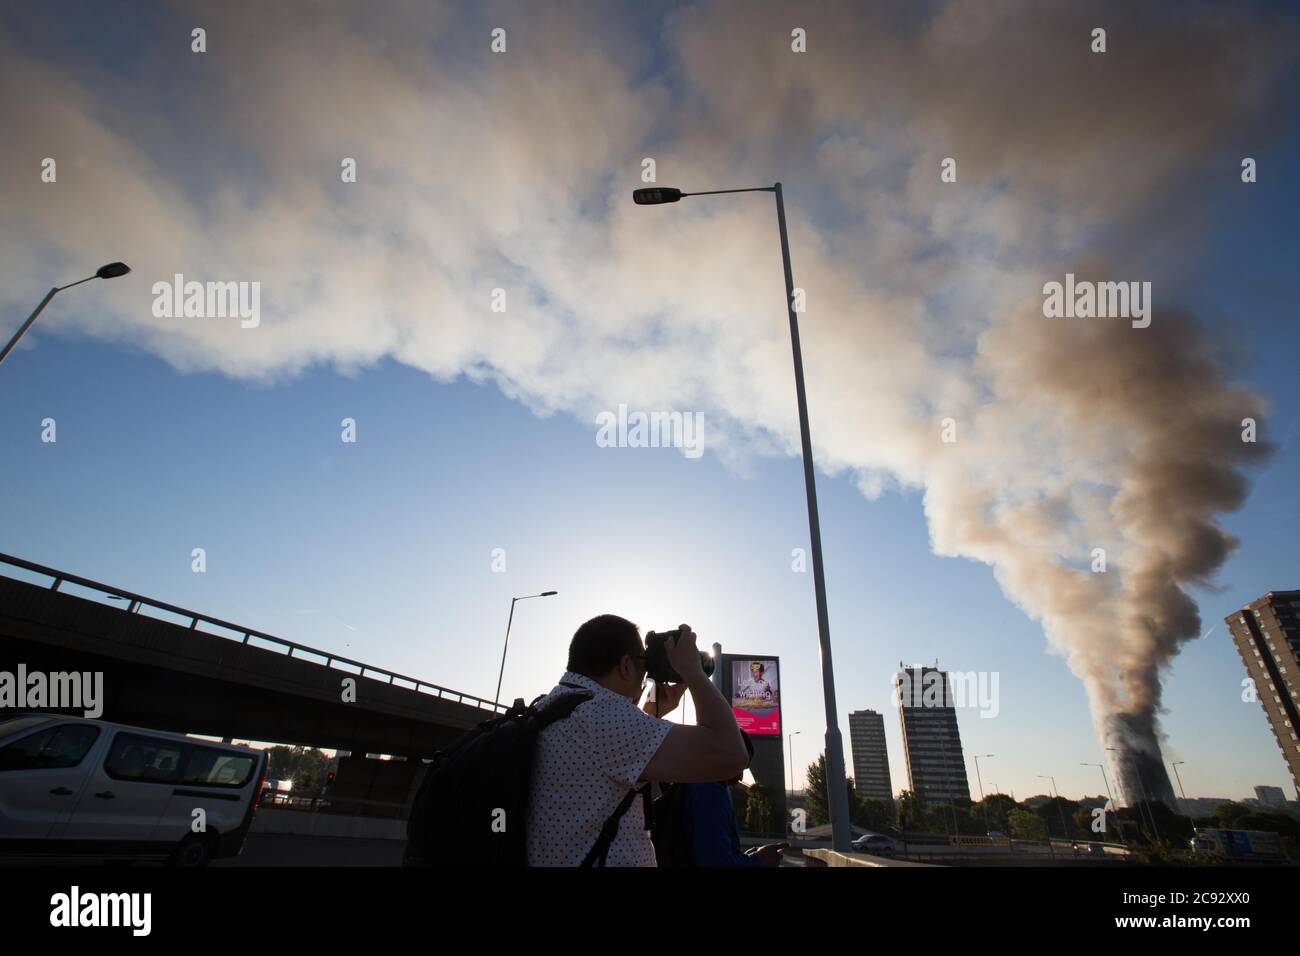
column 600, row 644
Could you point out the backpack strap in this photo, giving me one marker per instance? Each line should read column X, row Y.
column 560, row 708
column 597, row 854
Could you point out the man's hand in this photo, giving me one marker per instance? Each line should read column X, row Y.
column 770, row 855
column 684, row 656
column 667, row 697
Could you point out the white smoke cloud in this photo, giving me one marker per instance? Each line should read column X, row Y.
column 479, row 171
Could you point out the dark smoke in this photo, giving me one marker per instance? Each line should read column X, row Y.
column 1136, row 763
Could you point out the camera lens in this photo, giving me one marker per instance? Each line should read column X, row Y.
column 657, row 666
column 706, row 659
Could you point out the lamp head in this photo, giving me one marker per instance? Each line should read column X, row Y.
column 112, row 270
column 656, row 195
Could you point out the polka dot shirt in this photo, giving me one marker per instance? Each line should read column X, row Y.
column 584, row 766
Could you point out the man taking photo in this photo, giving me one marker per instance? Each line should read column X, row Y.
column 590, row 766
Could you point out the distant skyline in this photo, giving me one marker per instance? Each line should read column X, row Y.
column 478, row 473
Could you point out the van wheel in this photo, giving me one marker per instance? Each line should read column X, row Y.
column 194, row 850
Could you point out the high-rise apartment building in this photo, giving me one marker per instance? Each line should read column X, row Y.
column 1267, row 635
column 1270, row 797
column 936, row 768
column 870, row 760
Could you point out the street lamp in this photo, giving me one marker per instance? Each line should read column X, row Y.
column 980, row 781
column 789, row 739
column 509, row 621
column 110, row 271
column 1065, row 831
column 836, row 785
column 1119, row 824
column 1180, row 779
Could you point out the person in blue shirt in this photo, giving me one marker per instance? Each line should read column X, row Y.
column 711, row 831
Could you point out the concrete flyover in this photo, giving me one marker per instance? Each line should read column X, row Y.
column 173, row 669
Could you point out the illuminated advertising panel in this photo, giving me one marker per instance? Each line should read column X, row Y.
column 756, row 695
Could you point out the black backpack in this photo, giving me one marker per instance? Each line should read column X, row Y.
column 472, row 808
column 669, row 829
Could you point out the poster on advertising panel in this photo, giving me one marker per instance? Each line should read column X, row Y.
column 756, row 696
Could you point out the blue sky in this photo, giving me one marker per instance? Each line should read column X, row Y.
column 382, row 549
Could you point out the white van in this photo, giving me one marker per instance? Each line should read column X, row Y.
column 73, row 787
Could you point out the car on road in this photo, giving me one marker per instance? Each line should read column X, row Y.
column 72, row 787
column 875, row 844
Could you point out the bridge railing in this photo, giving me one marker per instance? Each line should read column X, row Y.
column 136, row 601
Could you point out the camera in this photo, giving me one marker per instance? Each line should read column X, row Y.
column 656, row 658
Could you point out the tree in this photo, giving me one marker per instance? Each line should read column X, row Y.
column 999, row 806
column 1082, row 822
column 877, row 815
column 739, row 794
column 1272, row 822
column 969, row 817
column 1051, row 814
column 760, row 812
column 911, row 811
column 306, row 767
column 815, row 794
column 1026, row 825
column 938, row 818
column 1229, row 815
column 1172, row 826
column 855, row 805
column 867, row 812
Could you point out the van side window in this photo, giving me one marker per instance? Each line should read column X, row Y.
column 217, row 768
column 146, row 759
column 57, row 748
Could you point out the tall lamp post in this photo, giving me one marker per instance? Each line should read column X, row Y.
column 836, row 785
column 790, row 740
column 110, row 271
column 1180, row 779
column 1119, row 827
column 1065, row 831
column 980, row 781
column 509, row 621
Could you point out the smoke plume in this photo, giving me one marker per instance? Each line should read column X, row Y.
column 480, row 171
